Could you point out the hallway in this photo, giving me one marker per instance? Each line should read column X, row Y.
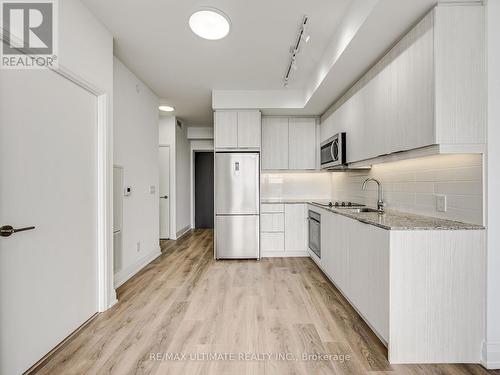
column 185, row 302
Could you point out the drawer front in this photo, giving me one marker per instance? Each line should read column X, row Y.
column 272, row 207
column 272, row 242
column 272, row 222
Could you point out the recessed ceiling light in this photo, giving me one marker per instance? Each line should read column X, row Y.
column 210, row 23
column 166, row 108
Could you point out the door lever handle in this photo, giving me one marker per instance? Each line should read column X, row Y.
column 164, row 197
column 8, row 230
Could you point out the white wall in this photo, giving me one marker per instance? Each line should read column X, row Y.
column 166, row 130
column 93, row 64
column 180, row 174
column 86, row 46
column 182, row 180
column 203, row 132
column 136, row 150
column 305, row 185
column 411, row 185
column 491, row 353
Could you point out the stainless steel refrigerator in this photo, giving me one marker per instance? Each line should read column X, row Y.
column 237, row 189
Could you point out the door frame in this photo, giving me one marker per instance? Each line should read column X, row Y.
column 105, row 279
column 171, row 193
column 198, row 148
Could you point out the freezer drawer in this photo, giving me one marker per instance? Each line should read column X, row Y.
column 237, row 237
column 237, row 184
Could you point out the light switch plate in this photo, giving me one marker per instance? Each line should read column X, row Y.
column 441, row 202
column 152, row 189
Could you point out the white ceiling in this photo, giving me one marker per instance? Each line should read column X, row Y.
column 153, row 39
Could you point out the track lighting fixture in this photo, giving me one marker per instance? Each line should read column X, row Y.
column 295, row 49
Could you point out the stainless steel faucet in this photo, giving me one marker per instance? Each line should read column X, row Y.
column 380, row 200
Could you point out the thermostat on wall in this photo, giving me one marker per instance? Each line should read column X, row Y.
column 127, row 191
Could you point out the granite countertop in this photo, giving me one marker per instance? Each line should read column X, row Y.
column 395, row 220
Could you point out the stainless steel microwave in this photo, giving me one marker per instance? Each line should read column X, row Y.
column 333, row 152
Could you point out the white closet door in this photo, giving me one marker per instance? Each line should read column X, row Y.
column 48, row 276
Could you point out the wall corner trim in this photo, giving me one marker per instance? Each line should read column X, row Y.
column 491, row 355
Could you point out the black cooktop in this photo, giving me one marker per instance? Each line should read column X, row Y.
column 341, row 204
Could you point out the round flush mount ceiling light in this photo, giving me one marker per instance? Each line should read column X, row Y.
column 166, row 108
column 210, row 23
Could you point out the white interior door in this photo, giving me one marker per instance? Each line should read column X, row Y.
column 164, row 154
column 48, row 276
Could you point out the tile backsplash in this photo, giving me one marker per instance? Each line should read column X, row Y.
column 296, row 186
column 412, row 185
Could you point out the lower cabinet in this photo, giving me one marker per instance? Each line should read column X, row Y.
column 368, row 277
column 295, row 228
column 283, row 230
column 355, row 256
column 272, row 242
column 421, row 291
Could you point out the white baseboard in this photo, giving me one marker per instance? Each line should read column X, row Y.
column 283, row 254
column 183, row 231
column 491, row 355
column 112, row 303
column 125, row 274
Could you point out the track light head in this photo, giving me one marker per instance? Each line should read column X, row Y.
column 302, row 37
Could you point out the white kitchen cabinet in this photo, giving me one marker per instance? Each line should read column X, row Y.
column 226, row 129
column 249, row 129
column 272, row 243
column 295, row 228
column 302, row 143
column 289, row 143
column 427, row 90
column 272, row 222
column 355, row 256
column 274, row 143
column 237, row 130
column 283, row 230
column 337, row 250
column 272, row 207
column 368, row 272
column 410, row 286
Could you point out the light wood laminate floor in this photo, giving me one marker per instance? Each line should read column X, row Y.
column 185, row 302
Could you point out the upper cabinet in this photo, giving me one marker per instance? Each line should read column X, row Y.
column 226, row 129
column 249, row 129
column 427, row 90
column 274, row 143
column 302, row 148
column 289, row 143
column 237, row 130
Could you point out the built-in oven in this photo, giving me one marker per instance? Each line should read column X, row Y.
column 333, row 152
column 315, row 233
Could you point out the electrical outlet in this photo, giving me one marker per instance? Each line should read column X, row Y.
column 138, row 246
column 441, row 202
